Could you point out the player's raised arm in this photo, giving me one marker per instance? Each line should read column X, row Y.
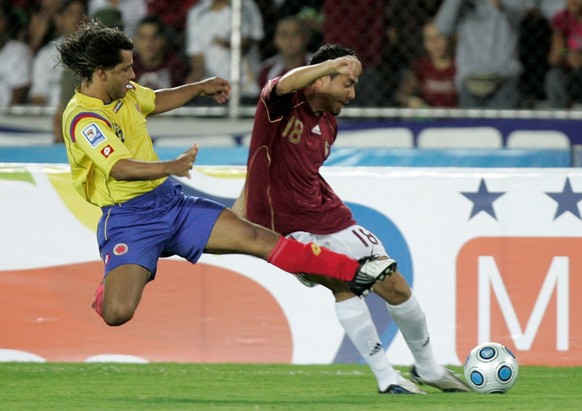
column 301, row 77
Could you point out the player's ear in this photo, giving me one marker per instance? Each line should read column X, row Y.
column 101, row 73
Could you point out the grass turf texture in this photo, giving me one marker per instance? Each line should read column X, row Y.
column 164, row 386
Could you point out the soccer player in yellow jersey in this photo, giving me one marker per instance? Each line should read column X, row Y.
column 146, row 216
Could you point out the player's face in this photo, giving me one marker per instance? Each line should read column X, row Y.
column 119, row 76
column 338, row 93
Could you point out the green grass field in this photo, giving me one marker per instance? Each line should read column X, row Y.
column 70, row 386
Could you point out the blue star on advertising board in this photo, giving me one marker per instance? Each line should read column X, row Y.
column 567, row 201
column 483, row 200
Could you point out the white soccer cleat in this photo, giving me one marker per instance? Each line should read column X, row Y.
column 447, row 383
column 404, row 386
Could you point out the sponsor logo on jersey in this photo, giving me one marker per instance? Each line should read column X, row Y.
column 316, row 129
column 107, row 151
column 93, row 135
column 315, row 249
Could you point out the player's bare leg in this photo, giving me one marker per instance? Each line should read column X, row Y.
column 231, row 234
column 122, row 290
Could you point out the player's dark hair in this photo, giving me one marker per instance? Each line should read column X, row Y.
column 330, row 52
column 94, row 46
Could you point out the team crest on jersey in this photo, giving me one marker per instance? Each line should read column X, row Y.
column 119, row 132
column 93, row 135
column 120, row 249
column 316, row 129
column 107, row 151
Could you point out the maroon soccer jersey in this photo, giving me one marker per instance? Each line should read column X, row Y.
column 284, row 189
column 437, row 87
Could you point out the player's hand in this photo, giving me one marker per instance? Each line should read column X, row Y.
column 217, row 88
column 349, row 65
column 184, row 163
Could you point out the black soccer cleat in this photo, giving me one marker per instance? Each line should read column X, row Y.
column 370, row 270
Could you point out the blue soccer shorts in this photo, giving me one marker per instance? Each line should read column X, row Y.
column 161, row 223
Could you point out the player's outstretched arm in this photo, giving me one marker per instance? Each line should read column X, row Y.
column 132, row 170
column 170, row 98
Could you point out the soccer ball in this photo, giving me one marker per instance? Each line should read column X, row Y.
column 491, row 368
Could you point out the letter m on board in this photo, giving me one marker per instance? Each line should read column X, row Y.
column 517, row 291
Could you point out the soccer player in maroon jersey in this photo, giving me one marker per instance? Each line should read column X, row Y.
column 294, row 128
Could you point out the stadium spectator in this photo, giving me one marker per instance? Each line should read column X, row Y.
column 39, row 26
column 290, row 40
column 294, row 129
column 430, row 82
column 132, row 11
column 404, row 18
column 46, row 73
column 145, row 215
column 155, row 64
column 365, row 32
column 173, row 15
column 404, row 41
column 15, row 62
column 534, row 46
column 486, row 56
column 564, row 78
column 309, row 12
column 208, row 43
column 110, row 16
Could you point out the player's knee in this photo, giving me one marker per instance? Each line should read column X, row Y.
column 117, row 314
column 393, row 289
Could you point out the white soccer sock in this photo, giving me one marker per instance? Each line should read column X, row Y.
column 355, row 318
column 411, row 321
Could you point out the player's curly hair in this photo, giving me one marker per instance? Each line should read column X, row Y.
column 93, row 46
column 330, row 52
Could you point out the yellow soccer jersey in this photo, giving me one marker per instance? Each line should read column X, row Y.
column 97, row 135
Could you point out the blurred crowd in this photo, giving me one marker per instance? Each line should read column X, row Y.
column 501, row 54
